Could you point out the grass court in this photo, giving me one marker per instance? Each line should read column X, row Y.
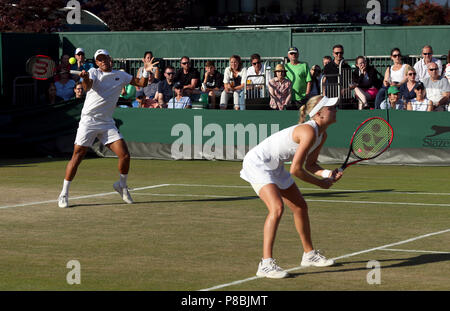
column 196, row 225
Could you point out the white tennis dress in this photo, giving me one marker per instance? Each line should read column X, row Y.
column 264, row 164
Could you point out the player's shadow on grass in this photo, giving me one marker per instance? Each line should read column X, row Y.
column 405, row 262
column 203, row 200
column 343, row 192
column 168, row 201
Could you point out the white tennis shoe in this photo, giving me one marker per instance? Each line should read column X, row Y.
column 271, row 270
column 315, row 259
column 123, row 192
column 63, row 201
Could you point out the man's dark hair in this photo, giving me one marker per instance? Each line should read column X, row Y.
column 255, row 56
column 338, row 46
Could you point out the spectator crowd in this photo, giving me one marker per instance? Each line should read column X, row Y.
column 422, row 87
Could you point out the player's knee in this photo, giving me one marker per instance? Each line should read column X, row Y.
column 277, row 211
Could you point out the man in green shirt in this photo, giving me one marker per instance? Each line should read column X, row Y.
column 298, row 74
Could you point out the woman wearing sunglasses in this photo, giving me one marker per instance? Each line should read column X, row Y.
column 393, row 76
column 407, row 89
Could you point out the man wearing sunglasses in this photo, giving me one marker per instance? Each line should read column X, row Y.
column 165, row 87
column 332, row 68
column 190, row 79
column 298, row 73
column 437, row 88
column 81, row 63
column 256, row 72
column 421, row 66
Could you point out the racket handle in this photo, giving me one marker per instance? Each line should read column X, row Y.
column 75, row 72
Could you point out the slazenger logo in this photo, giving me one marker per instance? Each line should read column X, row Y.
column 437, row 142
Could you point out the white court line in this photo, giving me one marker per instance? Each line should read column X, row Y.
column 318, row 189
column 336, row 258
column 412, row 251
column 81, row 197
column 308, row 200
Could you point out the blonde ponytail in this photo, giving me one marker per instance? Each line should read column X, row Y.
column 305, row 109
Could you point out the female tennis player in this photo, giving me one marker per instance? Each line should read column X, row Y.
column 263, row 168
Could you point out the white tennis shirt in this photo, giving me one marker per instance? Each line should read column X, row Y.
column 265, row 163
column 101, row 99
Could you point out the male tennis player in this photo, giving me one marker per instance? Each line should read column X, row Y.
column 103, row 86
column 263, row 168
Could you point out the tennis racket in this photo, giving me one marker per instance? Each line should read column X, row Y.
column 42, row 67
column 371, row 138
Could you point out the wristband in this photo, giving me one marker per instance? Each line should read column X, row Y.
column 145, row 74
column 326, row 173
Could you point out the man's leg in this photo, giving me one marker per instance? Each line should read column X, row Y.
column 71, row 169
column 119, row 147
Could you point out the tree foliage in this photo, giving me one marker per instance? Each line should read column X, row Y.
column 424, row 13
column 138, row 15
column 31, row 15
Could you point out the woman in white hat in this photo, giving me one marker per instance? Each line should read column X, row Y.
column 263, row 168
column 280, row 89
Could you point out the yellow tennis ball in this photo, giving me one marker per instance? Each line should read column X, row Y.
column 72, row 60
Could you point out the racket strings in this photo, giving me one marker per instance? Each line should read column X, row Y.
column 372, row 138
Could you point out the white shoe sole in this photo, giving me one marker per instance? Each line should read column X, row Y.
column 63, row 205
column 313, row 264
column 271, row 276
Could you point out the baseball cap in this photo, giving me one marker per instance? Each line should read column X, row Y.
column 177, row 85
column 393, row 90
column 292, row 49
column 99, row 52
column 419, row 86
column 79, row 50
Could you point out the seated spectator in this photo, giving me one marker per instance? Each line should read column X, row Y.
column 446, row 72
column 257, row 73
column 316, row 73
column 50, row 97
column 280, row 89
column 165, row 87
column 393, row 76
column 179, row 101
column 64, row 65
column 420, row 102
column 79, row 91
column 331, row 70
column 234, row 80
column 407, row 89
column 437, row 88
column 393, row 101
column 65, row 85
column 146, row 96
column 365, row 82
column 189, row 78
column 148, row 57
column 421, row 66
column 212, row 83
column 81, row 63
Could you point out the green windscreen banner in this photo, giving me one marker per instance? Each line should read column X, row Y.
column 420, row 138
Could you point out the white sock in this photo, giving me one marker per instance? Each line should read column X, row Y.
column 309, row 254
column 266, row 261
column 123, row 180
column 65, row 189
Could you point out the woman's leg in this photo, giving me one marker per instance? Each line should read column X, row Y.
column 293, row 198
column 271, row 196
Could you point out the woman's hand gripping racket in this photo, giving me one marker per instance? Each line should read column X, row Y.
column 42, row 67
column 371, row 138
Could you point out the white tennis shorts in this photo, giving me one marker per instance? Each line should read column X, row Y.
column 89, row 129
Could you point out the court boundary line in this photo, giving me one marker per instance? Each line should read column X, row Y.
column 336, row 258
column 82, row 196
column 413, row 251
column 235, row 186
